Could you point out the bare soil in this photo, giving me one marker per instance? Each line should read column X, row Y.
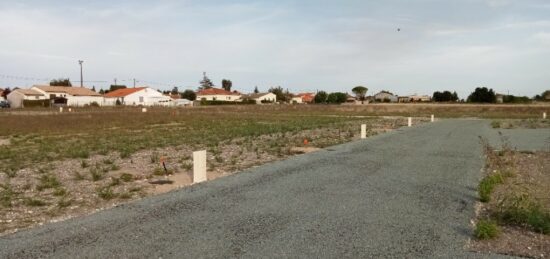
column 58, row 190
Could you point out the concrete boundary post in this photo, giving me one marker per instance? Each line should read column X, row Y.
column 544, row 115
column 432, row 119
column 60, row 109
column 199, row 166
column 144, row 109
column 363, row 131
column 409, row 122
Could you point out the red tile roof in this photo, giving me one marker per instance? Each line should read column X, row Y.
column 216, row 91
column 123, row 92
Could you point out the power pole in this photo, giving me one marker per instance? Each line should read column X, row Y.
column 134, row 83
column 115, row 81
column 81, row 78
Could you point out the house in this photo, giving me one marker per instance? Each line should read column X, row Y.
column 385, row 96
column 69, row 96
column 350, row 99
column 296, row 99
column 499, row 98
column 1, row 94
column 307, row 97
column 145, row 96
column 403, row 99
column 216, row 94
column 17, row 97
column 263, row 97
column 420, row 98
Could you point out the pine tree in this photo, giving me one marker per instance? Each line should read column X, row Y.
column 206, row 83
column 256, row 91
column 227, row 84
column 93, row 88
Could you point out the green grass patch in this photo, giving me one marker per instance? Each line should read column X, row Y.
column 486, row 229
column 487, row 185
column 106, row 193
column 35, row 202
column 48, row 182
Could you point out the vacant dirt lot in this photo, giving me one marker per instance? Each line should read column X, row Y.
column 57, row 166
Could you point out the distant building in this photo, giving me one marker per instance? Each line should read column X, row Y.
column 70, row 96
column 499, row 98
column 144, row 96
column 216, row 94
column 307, row 97
column 385, row 96
column 263, row 97
column 17, row 97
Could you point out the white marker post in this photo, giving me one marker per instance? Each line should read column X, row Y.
column 199, row 166
column 60, row 109
column 544, row 115
column 143, row 109
column 363, row 131
column 433, row 119
column 70, row 110
column 409, row 122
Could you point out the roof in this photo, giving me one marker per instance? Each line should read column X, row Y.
column 28, row 92
column 216, row 91
column 75, row 91
column 123, row 92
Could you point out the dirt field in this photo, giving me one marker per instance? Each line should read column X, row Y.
column 55, row 166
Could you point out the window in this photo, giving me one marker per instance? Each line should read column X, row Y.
column 141, row 99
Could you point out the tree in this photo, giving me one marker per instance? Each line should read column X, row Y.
column 227, row 84
column 189, row 95
column 101, row 91
column 93, row 88
column 175, row 90
column 61, row 82
column 282, row 96
column 320, row 97
column 482, row 95
column 116, row 87
column 360, row 92
column 206, row 83
column 445, row 96
column 6, row 92
column 256, row 90
column 336, row 98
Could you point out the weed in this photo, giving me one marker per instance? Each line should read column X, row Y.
column 60, row 191
column 495, row 124
column 187, row 166
column 106, row 193
column 115, row 167
column 84, row 164
column 35, row 202
column 11, row 173
column 6, row 195
column 521, row 209
column 114, row 181
column 47, row 182
column 77, row 176
column 108, row 161
column 63, row 203
column 486, row 229
column 126, row 177
column 125, row 195
column 96, row 174
column 487, row 185
column 159, row 171
column 135, row 189
column 155, row 158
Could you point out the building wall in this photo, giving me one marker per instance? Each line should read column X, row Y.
column 296, row 99
column 381, row 96
column 15, row 99
column 145, row 97
column 228, row 98
column 268, row 97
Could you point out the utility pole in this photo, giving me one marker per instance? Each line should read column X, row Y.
column 134, row 83
column 81, row 78
column 115, row 81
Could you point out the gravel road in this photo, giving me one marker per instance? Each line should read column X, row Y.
column 407, row 193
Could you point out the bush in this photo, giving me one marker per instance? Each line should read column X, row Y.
column 521, row 210
column 487, row 185
column 486, row 229
column 36, row 103
column 106, row 193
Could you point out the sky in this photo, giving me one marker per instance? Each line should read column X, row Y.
column 300, row 45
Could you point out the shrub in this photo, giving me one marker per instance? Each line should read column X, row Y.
column 96, row 174
column 495, row 124
column 522, row 210
column 106, row 193
column 126, row 177
column 486, row 229
column 34, row 202
column 47, row 182
column 84, row 164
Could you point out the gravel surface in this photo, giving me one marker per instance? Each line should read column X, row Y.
column 522, row 139
column 407, row 193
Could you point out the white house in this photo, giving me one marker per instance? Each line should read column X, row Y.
column 263, row 97
column 296, row 99
column 70, row 96
column 216, row 94
column 17, row 96
column 385, row 96
column 145, row 96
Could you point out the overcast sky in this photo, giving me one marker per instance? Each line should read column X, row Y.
column 300, row 45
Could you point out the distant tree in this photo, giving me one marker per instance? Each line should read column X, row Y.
column 482, row 95
column 116, row 87
column 320, row 97
column 256, row 90
column 360, row 92
column 337, row 98
column 282, row 96
column 205, row 83
column 545, row 96
column 61, row 82
column 445, row 96
column 189, row 95
column 227, row 84
column 93, row 88
column 175, row 90
column 6, row 92
column 101, row 91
